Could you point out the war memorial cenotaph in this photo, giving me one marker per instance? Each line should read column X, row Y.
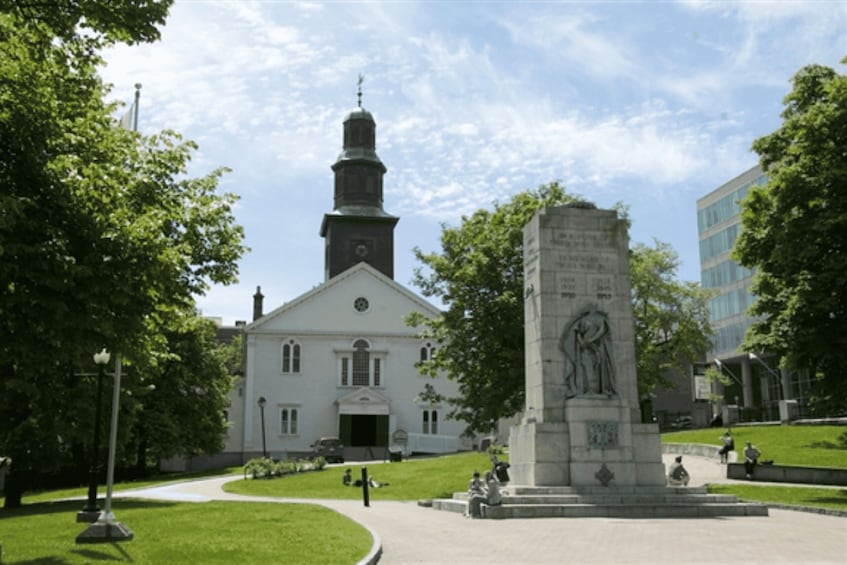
column 582, row 423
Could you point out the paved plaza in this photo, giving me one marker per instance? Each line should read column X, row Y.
column 407, row 533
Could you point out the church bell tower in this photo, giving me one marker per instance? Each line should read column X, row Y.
column 358, row 229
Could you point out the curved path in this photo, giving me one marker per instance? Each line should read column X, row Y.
column 406, row 533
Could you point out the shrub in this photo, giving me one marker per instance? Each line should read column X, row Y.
column 266, row 468
column 496, row 449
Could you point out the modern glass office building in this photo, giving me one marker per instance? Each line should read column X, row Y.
column 758, row 385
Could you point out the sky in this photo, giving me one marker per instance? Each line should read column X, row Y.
column 649, row 104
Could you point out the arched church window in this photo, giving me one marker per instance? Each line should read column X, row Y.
column 361, row 363
column 291, row 357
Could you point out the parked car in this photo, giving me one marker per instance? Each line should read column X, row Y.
column 330, row 448
column 683, row 422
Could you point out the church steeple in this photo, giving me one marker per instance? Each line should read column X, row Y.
column 358, row 229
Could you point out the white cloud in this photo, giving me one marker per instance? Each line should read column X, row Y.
column 620, row 101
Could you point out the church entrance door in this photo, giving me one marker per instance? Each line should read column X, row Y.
column 364, row 430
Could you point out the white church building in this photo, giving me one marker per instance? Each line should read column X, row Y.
column 340, row 360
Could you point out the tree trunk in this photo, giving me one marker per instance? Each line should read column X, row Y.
column 15, row 485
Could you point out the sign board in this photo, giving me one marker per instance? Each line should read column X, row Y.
column 702, row 388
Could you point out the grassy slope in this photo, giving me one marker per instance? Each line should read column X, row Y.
column 816, row 446
column 434, row 477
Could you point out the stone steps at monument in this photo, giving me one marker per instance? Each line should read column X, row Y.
column 613, row 499
column 675, row 510
column 621, row 502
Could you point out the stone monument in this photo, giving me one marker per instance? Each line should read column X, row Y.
column 582, row 423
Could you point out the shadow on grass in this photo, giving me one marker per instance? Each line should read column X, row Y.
column 94, row 555
column 74, row 506
column 842, row 444
column 840, row 498
column 43, row 561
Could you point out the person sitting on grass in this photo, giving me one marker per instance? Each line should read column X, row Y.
column 347, row 480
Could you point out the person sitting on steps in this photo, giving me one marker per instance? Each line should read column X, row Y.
column 490, row 495
column 677, row 475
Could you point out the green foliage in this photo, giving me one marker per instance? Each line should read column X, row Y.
column 496, row 449
column 794, row 236
column 180, row 398
column 714, row 376
column 168, row 532
column 104, row 240
column 817, row 446
column 672, row 326
column 267, row 468
column 104, row 21
column 479, row 275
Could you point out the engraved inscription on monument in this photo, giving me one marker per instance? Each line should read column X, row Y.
column 602, row 435
column 601, row 287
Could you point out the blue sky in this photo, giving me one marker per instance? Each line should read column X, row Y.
column 653, row 104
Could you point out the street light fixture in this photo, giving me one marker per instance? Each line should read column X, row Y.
column 722, row 367
column 772, row 372
column 262, row 403
column 91, row 511
column 106, row 529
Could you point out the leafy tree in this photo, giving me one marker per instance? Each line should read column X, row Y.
column 479, row 275
column 794, row 234
column 182, row 399
column 671, row 317
column 103, row 238
column 128, row 21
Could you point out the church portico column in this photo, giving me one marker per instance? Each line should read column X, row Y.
column 787, row 393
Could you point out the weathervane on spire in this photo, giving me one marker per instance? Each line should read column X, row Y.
column 361, row 80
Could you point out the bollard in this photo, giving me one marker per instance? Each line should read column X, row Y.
column 365, row 493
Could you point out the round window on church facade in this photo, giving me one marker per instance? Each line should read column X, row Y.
column 361, row 304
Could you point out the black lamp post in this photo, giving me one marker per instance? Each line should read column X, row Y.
column 262, row 403
column 101, row 359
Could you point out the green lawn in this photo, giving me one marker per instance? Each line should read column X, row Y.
column 229, row 532
column 835, row 499
column 412, row 479
column 165, row 532
column 815, row 446
column 45, row 496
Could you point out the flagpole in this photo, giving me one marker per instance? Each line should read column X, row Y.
column 135, row 113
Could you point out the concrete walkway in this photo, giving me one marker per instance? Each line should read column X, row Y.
column 406, row 533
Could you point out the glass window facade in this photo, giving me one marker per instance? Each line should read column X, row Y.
column 724, row 274
column 719, row 224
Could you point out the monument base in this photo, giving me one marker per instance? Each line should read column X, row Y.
column 105, row 530
column 597, row 444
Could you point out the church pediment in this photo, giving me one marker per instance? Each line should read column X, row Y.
column 363, row 401
column 359, row 300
